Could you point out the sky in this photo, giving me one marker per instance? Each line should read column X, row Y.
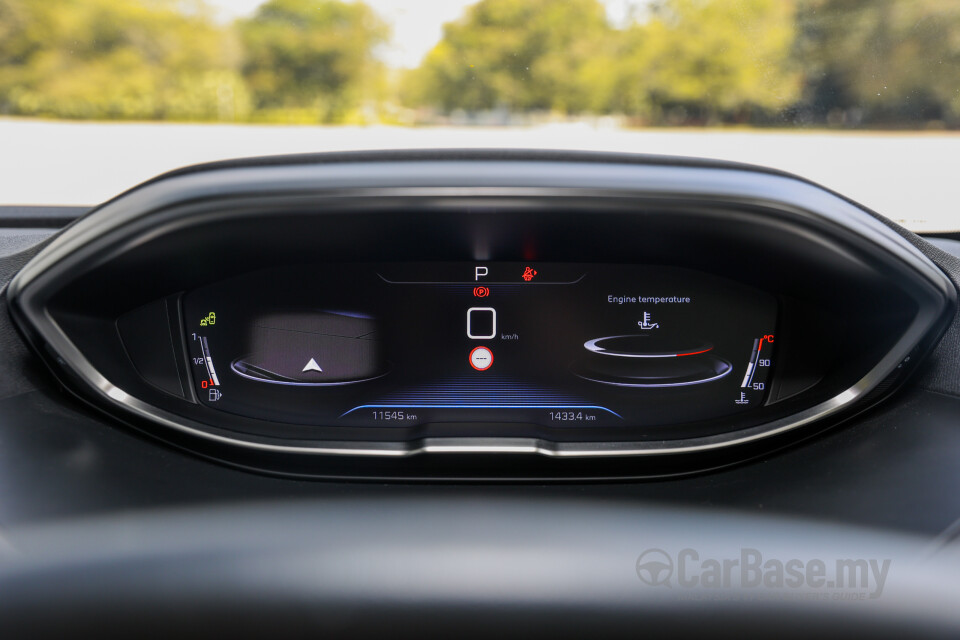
column 417, row 24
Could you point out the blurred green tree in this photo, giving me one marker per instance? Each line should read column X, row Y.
column 844, row 62
column 707, row 61
column 117, row 59
column 519, row 55
column 880, row 61
column 312, row 55
column 712, row 60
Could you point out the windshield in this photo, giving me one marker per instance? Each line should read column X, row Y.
column 862, row 96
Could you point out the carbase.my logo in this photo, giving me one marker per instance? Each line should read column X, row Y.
column 844, row 577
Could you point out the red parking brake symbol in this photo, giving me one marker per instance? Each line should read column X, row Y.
column 528, row 274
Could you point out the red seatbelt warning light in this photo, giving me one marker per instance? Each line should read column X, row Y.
column 528, row 273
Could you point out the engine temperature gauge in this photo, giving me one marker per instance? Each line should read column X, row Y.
column 758, row 370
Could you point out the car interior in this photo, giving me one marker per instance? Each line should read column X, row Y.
column 479, row 319
column 477, row 393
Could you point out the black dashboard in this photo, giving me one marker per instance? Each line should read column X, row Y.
column 548, row 337
column 598, row 316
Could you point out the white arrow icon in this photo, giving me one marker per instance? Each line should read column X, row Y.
column 313, row 366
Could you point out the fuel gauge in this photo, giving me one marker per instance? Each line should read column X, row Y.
column 204, row 370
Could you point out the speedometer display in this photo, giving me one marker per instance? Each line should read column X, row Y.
column 407, row 344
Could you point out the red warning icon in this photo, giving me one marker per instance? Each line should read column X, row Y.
column 528, row 274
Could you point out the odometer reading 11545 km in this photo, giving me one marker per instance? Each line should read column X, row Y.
column 394, row 416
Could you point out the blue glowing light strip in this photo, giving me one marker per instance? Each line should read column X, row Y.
column 555, row 406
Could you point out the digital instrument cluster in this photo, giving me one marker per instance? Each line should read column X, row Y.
column 481, row 314
column 405, row 344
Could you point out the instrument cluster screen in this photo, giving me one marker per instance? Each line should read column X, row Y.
column 407, row 344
